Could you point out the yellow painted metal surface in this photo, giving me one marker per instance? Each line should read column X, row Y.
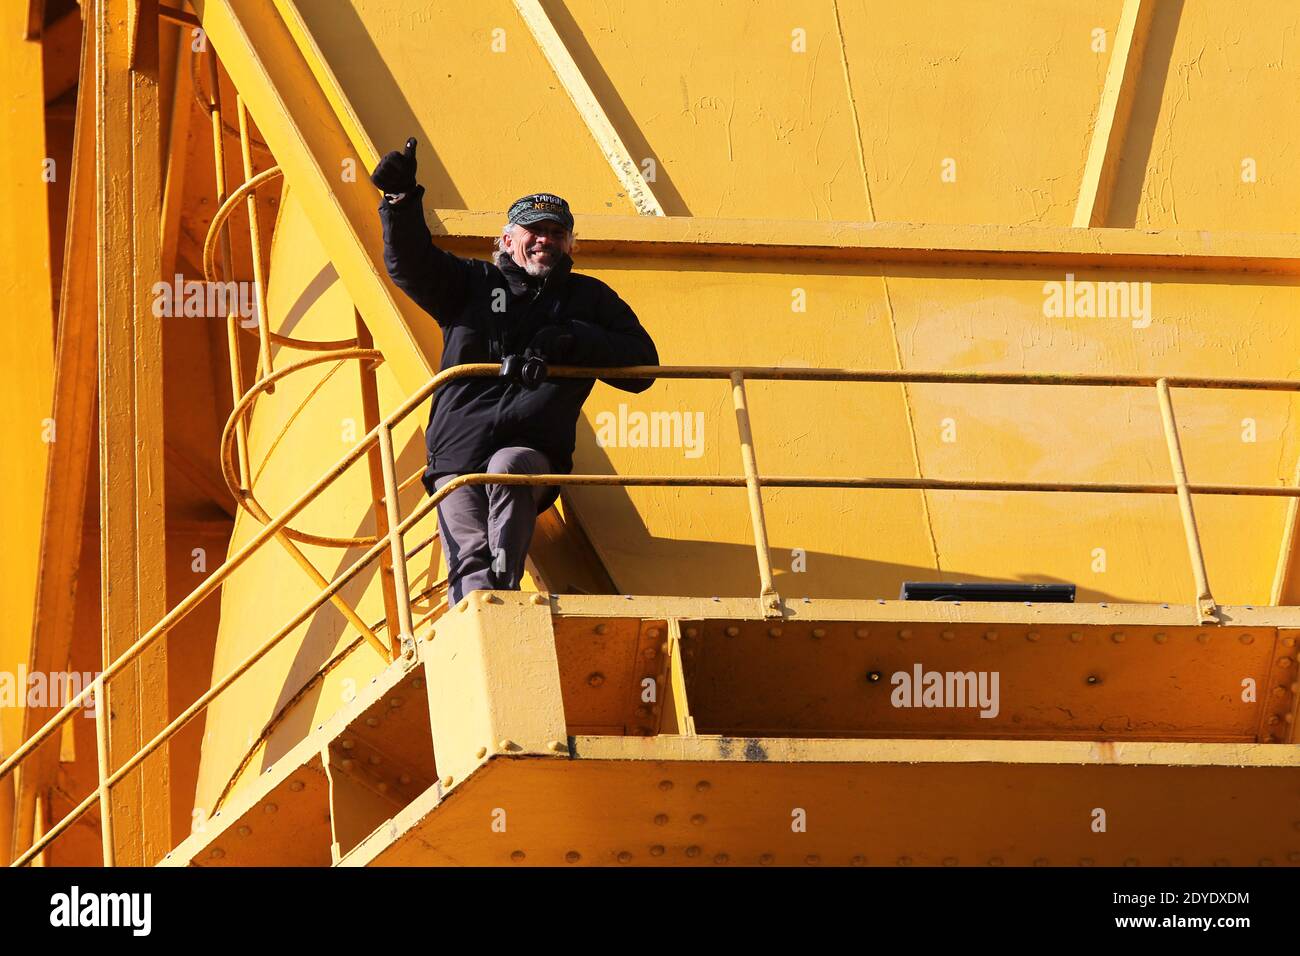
column 853, row 184
column 28, row 347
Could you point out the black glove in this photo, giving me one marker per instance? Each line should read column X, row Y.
column 529, row 369
column 396, row 171
column 555, row 343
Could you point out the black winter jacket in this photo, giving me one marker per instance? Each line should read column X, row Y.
column 471, row 418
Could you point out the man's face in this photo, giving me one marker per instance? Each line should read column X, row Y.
column 537, row 247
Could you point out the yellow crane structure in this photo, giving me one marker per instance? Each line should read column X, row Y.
column 945, row 293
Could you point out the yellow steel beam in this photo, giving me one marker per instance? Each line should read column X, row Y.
column 26, row 352
column 494, row 684
column 1286, row 579
column 309, row 143
column 1113, row 113
column 1174, row 250
column 132, row 545
column 584, row 100
column 66, row 477
column 718, row 801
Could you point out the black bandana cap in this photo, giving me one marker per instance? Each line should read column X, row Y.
column 539, row 206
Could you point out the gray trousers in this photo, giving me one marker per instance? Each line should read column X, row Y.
column 486, row 529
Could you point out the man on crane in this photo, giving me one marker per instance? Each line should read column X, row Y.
column 525, row 309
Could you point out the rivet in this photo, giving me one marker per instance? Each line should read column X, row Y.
column 732, row 631
column 347, row 744
column 538, row 600
column 949, row 861
column 721, row 858
column 1289, row 718
column 448, row 780
column 1042, row 861
column 1274, row 719
column 1075, row 637
column 1288, row 642
column 1203, row 638
column 372, row 721
column 995, row 861
column 858, row 860
column 691, row 632
column 481, row 753
column 873, row 677
column 812, row 859
column 297, row 786
column 665, row 784
column 661, row 819
column 374, row 760
column 271, row 808
column 904, row 634
column 904, row 861
column 217, row 853
column 1265, row 861
column 1161, row 637
column 382, row 786
column 861, row 632
column 1280, row 690
column 518, row 855
column 773, row 632
column 1119, row 637
column 818, row 632
column 595, row 678
column 702, row 786
column 699, row 819
column 648, row 653
column 652, row 632
column 406, row 777
column 1093, row 679
column 657, row 850
column 1131, row 861
column 1085, row 861
column 1032, row 636
column 624, row 857
column 573, row 856
column 1284, row 662
column 505, row 744
column 245, row 831
column 692, row 851
column 557, row 746
column 1247, row 638
column 946, row 635
column 766, row 859
column 600, row 628
column 418, row 683
column 990, row 635
column 347, row 764
column 396, row 702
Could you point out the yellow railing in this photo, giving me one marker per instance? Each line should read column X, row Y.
column 392, row 543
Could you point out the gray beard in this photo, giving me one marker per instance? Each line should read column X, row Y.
column 537, row 269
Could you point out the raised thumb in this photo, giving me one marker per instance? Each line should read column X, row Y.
column 410, row 148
